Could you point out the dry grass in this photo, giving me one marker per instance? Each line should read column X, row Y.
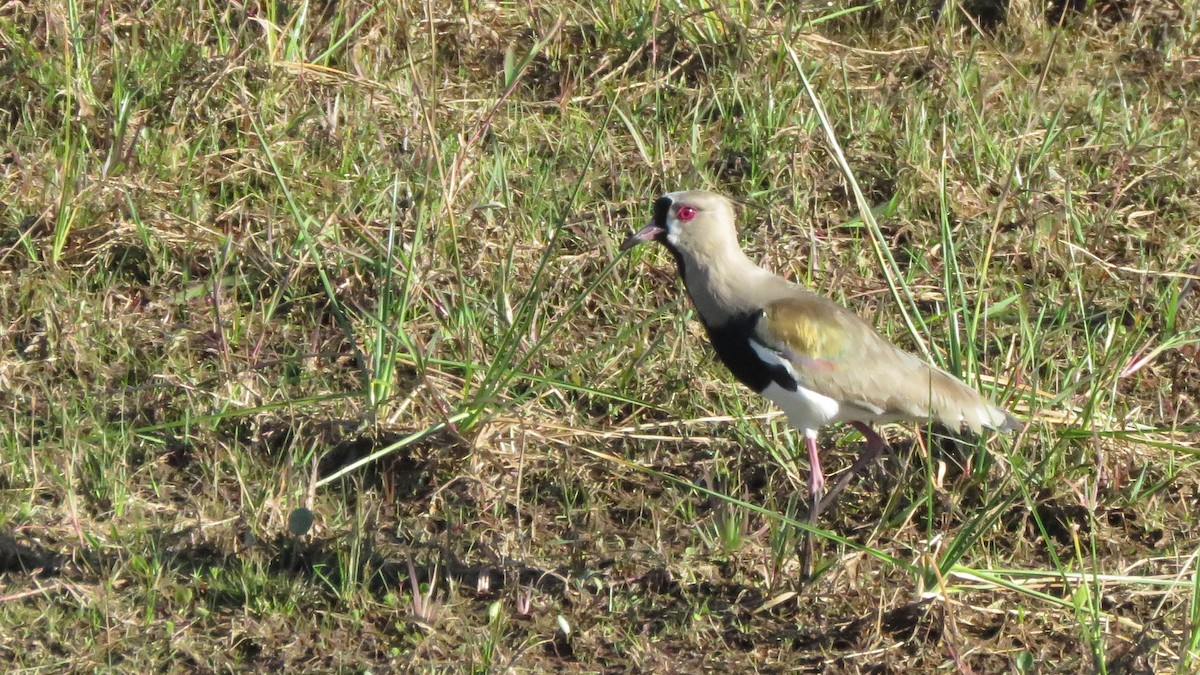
column 244, row 246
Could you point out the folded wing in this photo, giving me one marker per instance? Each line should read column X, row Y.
column 833, row 352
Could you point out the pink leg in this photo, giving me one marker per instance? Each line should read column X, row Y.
column 816, row 492
column 816, row 478
column 816, row 484
column 875, row 446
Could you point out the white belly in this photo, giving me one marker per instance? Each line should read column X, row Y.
column 806, row 410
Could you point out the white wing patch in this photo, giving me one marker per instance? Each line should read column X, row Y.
column 772, row 357
column 806, row 409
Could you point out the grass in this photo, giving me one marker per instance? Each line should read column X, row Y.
column 316, row 351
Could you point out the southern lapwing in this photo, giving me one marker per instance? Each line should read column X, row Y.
column 816, row 360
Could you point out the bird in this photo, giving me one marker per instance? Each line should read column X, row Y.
column 816, row 360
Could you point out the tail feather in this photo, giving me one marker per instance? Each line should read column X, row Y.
column 962, row 407
column 1003, row 421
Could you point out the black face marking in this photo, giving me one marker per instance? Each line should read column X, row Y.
column 731, row 340
column 662, row 211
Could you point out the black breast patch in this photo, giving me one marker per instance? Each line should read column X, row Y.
column 731, row 340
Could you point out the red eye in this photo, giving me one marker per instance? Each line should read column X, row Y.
column 685, row 213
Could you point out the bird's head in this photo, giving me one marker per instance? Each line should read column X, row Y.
column 696, row 223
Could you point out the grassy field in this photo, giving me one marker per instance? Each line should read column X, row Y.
column 316, row 351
